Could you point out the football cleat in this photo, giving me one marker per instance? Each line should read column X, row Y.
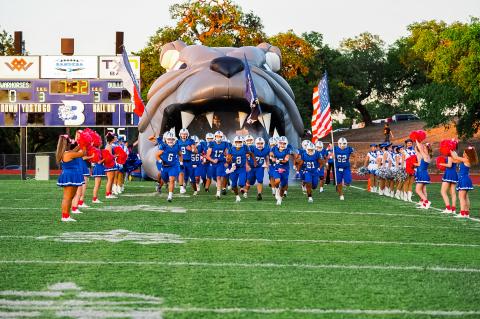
column 259, row 196
column 342, row 198
column 68, row 219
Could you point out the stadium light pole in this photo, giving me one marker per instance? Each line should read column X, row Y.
column 18, row 50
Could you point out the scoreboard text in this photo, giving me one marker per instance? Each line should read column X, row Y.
column 67, row 101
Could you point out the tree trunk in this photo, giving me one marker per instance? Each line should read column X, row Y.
column 365, row 115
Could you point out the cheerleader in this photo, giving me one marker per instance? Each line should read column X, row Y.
column 408, row 183
column 68, row 156
column 424, row 155
column 464, row 184
column 399, row 166
column 380, row 168
column 119, row 181
column 98, row 173
column 110, row 167
column 449, row 181
column 372, row 166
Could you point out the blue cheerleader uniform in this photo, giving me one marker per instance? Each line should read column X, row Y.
column 84, row 167
column 71, row 173
column 464, row 182
column 98, row 170
column 450, row 175
column 421, row 175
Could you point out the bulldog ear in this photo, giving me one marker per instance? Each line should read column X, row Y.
column 273, row 56
column 170, row 53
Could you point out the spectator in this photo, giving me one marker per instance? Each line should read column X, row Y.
column 387, row 132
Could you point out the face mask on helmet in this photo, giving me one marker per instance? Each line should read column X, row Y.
column 304, row 144
column 170, row 141
column 218, row 137
column 260, row 143
column 249, row 140
column 310, row 149
column 342, row 143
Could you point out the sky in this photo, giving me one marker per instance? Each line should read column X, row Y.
column 93, row 22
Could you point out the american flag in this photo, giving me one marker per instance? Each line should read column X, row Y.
column 321, row 117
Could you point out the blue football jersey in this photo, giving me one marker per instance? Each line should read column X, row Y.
column 239, row 156
column 281, row 155
column 342, row 157
column 170, row 155
column 310, row 162
column 218, row 150
column 260, row 155
column 187, row 155
column 197, row 157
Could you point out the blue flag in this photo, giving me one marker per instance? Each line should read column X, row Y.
column 251, row 95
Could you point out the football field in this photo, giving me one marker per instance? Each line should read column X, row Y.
column 139, row 256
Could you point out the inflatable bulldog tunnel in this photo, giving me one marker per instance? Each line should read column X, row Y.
column 204, row 90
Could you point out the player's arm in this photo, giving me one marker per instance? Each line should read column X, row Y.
column 459, row 158
column 158, row 155
column 209, row 156
column 252, row 156
column 286, row 159
column 68, row 156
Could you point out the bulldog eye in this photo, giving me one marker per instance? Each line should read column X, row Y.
column 179, row 65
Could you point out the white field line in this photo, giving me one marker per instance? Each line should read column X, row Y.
column 19, row 314
column 243, row 265
column 319, row 212
column 431, row 207
column 269, row 240
column 449, row 313
column 85, row 312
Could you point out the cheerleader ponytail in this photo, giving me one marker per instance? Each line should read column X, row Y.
column 63, row 145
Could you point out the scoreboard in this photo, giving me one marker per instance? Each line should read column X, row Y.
column 65, row 91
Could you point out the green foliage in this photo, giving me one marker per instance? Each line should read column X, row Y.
column 6, row 43
column 449, row 57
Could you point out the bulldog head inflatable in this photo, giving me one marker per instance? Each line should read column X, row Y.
column 204, row 90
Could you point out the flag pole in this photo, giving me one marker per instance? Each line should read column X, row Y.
column 145, row 107
column 334, row 168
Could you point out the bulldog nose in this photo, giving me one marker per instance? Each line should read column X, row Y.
column 226, row 65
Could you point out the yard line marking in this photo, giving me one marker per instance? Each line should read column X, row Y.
column 245, row 265
column 328, row 241
column 24, row 208
column 277, row 211
column 456, row 313
column 93, row 236
column 431, row 207
column 19, row 314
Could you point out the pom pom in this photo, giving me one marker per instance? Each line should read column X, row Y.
column 441, row 160
column 84, row 139
column 97, row 154
column 446, row 146
column 362, row 171
column 418, row 136
column 410, row 164
column 400, row 175
column 109, row 159
column 96, row 139
column 121, row 155
column 385, row 173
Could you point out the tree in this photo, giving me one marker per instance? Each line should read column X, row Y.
column 212, row 23
column 358, row 74
column 448, row 56
column 6, row 43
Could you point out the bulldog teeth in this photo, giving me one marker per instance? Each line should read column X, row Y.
column 187, row 118
column 242, row 116
column 265, row 120
column 275, row 133
column 209, row 117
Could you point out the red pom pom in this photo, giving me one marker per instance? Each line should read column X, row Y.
column 96, row 139
column 109, row 159
column 410, row 164
column 97, row 154
column 441, row 160
column 84, row 139
column 418, row 136
column 121, row 155
column 446, row 146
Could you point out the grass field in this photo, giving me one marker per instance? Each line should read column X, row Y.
column 365, row 257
